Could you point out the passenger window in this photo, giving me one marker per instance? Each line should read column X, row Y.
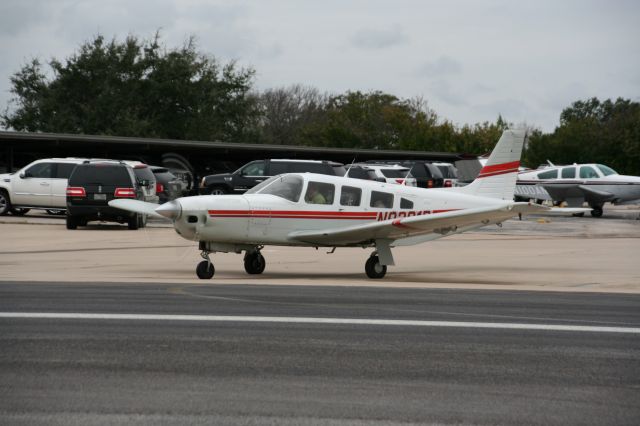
column 63, row 170
column 550, row 174
column 587, row 172
column 350, row 196
column 254, row 169
column 319, row 193
column 406, row 204
column 40, row 170
column 381, row 200
column 569, row 172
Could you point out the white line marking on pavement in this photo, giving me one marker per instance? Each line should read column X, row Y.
column 303, row 320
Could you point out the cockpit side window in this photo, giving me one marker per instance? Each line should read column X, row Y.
column 319, row 193
column 569, row 172
column 587, row 172
column 350, row 196
column 381, row 200
column 549, row 174
column 606, row 171
column 288, row 187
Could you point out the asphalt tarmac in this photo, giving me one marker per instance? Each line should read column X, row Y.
column 213, row 354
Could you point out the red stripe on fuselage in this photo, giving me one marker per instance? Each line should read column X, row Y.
column 499, row 169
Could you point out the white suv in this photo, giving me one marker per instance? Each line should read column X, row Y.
column 391, row 173
column 39, row 185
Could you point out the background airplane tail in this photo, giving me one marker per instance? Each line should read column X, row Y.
column 497, row 179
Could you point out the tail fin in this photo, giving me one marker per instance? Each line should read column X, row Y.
column 497, row 179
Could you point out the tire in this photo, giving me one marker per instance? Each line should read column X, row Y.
column 134, row 222
column 374, row 269
column 205, row 270
column 218, row 190
column 5, row 203
column 596, row 212
column 254, row 263
column 18, row 211
column 72, row 222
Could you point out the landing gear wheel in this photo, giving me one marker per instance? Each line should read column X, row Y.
column 205, row 270
column 72, row 222
column 254, row 263
column 134, row 222
column 596, row 211
column 374, row 269
column 19, row 212
column 142, row 220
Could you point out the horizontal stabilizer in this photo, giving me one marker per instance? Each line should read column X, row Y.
column 136, row 206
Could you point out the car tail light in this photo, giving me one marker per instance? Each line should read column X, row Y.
column 125, row 193
column 159, row 188
column 430, row 183
column 400, row 181
column 76, row 191
column 447, row 184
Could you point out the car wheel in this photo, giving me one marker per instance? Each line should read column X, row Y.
column 218, row 190
column 19, row 212
column 134, row 222
column 5, row 203
column 72, row 222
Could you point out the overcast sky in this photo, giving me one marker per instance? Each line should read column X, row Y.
column 471, row 60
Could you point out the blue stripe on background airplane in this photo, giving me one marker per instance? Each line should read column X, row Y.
column 306, row 209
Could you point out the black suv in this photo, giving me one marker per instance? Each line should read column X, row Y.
column 251, row 174
column 93, row 184
column 427, row 175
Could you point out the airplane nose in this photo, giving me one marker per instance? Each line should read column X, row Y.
column 171, row 209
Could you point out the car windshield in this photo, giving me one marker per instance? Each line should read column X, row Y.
column 394, row 173
column 288, row 187
column 606, row 170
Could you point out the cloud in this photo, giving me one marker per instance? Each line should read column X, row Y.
column 379, row 38
column 442, row 89
column 444, row 65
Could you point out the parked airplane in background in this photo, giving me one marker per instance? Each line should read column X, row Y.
column 313, row 210
column 576, row 184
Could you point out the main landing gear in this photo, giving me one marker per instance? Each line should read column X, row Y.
column 254, row 263
column 373, row 268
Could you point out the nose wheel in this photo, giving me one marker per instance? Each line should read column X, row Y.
column 254, row 262
column 205, row 269
column 374, row 269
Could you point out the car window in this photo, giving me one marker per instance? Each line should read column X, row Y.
column 406, row 204
column 350, row 196
column 417, row 169
column 288, row 187
column 394, row 173
column 63, row 170
column 319, row 193
column 549, row 174
column 254, row 169
column 277, row 168
column 381, row 200
column 606, row 171
column 40, row 170
column 144, row 173
column 339, row 170
column 101, row 174
column 569, row 172
column 309, row 167
column 588, row 172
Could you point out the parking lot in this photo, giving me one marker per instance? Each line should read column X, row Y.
column 544, row 253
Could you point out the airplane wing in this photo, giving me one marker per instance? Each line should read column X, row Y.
column 438, row 224
column 136, row 206
column 575, row 194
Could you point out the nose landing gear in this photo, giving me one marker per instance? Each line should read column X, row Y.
column 205, row 269
column 254, row 262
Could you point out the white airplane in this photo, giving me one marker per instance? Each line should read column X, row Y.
column 312, row 210
column 575, row 184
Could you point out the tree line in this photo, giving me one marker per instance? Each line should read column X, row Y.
column 142, row 88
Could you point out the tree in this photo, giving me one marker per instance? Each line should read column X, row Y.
column 135, row 88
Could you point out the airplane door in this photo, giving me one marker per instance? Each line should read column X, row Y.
column 33, row 186
column 260, row 221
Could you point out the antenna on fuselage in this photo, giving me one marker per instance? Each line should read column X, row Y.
column 349, row 168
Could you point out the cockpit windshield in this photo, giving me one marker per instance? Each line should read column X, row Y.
column 606, row 170
column 288, row 187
